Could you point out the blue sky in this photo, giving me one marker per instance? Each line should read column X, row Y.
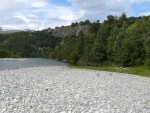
column 42, row 14
column 61, row 2
column 141, row 8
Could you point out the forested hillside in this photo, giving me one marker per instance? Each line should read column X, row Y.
column 28, row 44
column 118, row 40
column 122, row 41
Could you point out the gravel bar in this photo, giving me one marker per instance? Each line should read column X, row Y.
column 59, row 89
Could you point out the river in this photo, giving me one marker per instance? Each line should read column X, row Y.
column 10, row 63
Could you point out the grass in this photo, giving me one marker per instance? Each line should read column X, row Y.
column 140, row 70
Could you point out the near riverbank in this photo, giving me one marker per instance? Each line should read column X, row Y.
column 59, row 89
column 141, row 70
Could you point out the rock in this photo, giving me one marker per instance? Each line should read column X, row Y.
column 68, row 30
column 97, row 74
column 60, row 89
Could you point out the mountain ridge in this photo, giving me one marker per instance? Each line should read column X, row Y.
column 4, row 30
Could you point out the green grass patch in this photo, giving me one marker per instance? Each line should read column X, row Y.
column 141, row 70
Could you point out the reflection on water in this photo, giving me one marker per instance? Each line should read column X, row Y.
column 28, row 62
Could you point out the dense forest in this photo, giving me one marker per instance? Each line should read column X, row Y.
column 118, row 40
column 28, row 44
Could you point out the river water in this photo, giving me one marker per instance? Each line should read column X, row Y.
column 6, row 64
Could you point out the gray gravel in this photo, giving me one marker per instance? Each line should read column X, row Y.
column 58, row 89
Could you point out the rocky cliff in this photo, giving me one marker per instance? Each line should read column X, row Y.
column 68, row 30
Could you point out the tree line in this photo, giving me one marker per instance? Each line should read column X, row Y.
column 118, row 40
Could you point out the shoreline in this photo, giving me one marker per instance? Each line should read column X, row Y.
column 138, row 71
column 9, row 63
column 13, row 59
column 108, row 73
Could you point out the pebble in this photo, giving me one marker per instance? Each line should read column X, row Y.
column 59, row 89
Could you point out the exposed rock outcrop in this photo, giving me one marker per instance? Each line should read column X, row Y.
column 68, row 30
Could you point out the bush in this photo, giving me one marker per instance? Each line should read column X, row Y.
column 4, row 54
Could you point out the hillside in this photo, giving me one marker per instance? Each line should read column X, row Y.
column 29, row 43
column 118, row 40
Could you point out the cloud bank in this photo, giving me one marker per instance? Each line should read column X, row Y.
column 40, row 14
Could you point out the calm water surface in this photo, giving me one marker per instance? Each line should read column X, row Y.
column 28, row 62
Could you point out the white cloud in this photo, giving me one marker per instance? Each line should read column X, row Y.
column 40, row 14
column 145, row 14
column 99, row 9
column 35, row 14
column 39, row 4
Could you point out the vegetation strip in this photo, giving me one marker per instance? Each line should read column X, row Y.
column 141, row 71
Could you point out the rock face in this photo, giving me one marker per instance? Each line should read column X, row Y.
column 68, row 30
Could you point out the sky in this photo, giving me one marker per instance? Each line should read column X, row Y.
column 42, row 14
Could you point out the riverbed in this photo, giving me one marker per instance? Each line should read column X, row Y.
column 60, row 89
